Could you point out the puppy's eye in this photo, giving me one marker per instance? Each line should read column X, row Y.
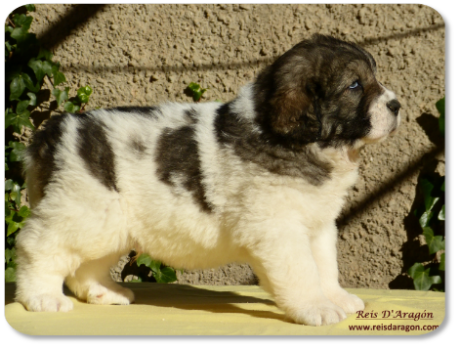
column 354, row 85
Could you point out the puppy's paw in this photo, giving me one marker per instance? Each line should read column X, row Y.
column 102, row 295
column 348, row 302
column 48, row 302
column 318, row 314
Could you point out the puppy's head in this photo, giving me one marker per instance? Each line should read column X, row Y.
column 324, row 90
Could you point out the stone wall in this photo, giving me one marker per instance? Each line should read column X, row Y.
column 147, row 54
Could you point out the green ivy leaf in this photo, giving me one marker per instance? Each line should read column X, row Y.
column 87, row 90
column 442, row 213
column 7, row 211
column 10, row 255
column 17, row 87
column 10, row 240
column 23, row 21
column 198, row 94
column 162, row 275
column 415, row 269
column 196, row 90
column 166, row 274
column 30, row 7
column 61, row 96
column 15, row 222
column 39, row 68
column 144, row 258
column 48, row 68
column 12, row 227
column 18, row 121
column 421, row 276
column 29, row 83
column 44, row 53
column 24, row 212
column 9, row 119
column 22, row 107
column 442, row 265
column 20, row 34
column 435, row 242
column 71, row 108
column 55, row 66
column 8, row 29
column 9, row 48
column 425, row 219
column 427, row 188
column 15, row 194
column 32, row 99
column 83, row 94
column 155, row 266
column 10, row 275
column 9, row 184
column 435, row 279
column 8, row 111
column 11, row 264
column 8, row 203
column 83, row 98
column 17, row 150
column 194, row 86
column 58, row 78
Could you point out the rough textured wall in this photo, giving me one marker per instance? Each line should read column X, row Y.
column 146, row 54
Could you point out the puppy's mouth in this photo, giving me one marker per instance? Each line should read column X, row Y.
column 388, row 132
column 394, row 130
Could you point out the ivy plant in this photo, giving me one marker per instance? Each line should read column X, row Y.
column 196, row 91
column 161, row 273
column 431, row 219
column 27, row 65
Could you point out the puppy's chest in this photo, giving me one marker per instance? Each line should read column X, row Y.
column 325, row 202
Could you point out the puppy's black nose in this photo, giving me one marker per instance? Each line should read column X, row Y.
column 394, row 106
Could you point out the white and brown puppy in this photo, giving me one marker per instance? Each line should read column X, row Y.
column 260, row 179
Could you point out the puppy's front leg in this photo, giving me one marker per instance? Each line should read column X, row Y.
column 324, row 248
column 282, row 259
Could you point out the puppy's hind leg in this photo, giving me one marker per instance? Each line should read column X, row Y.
column 92, row 283
column 41, row 269
column 56, row 240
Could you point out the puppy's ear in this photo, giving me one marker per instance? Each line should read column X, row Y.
column 293, row 112
column 294, row 104
column 287, row 95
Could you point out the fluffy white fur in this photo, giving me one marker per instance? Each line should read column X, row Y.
column 283, row 226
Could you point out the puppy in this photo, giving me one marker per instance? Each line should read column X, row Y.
column 260, row 179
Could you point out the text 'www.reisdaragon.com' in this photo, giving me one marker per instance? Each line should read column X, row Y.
column 392, row 327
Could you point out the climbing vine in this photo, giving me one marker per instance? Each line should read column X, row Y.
column 27, row 65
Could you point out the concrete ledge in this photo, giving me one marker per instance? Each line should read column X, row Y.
column 226, row 310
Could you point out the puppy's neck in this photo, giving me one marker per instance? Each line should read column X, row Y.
column 343, row 159
column 243, row 104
